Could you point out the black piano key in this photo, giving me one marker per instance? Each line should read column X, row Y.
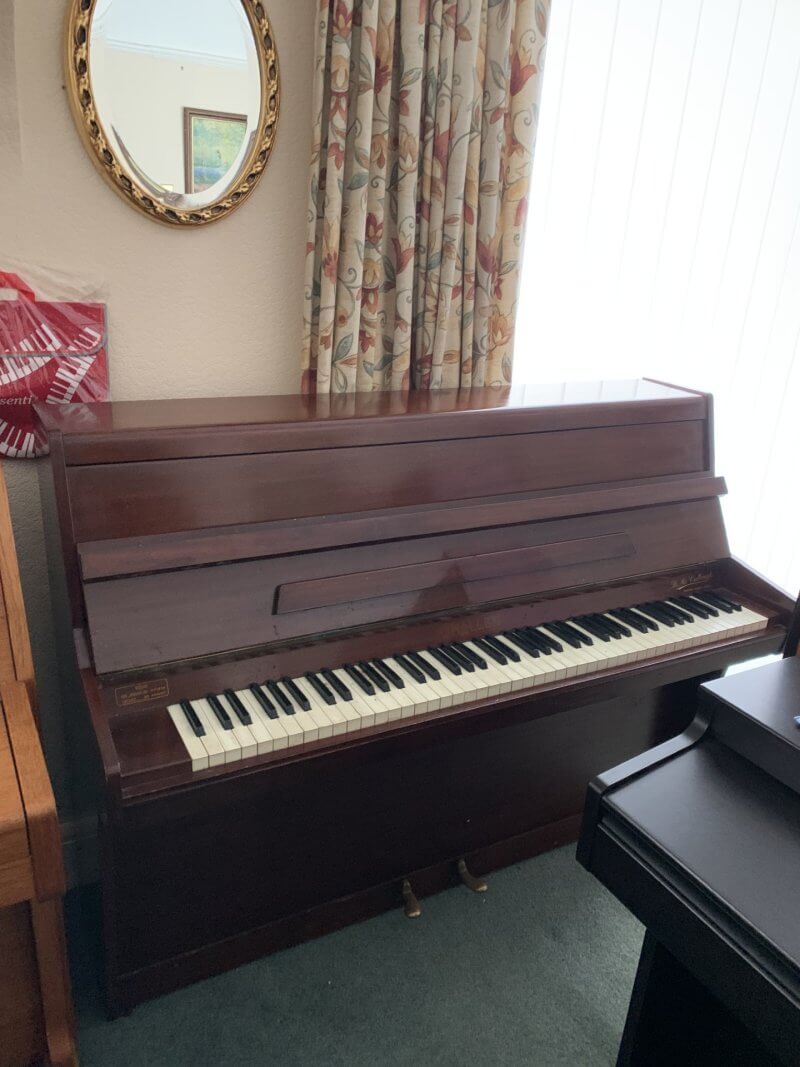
column 472, row 655
column 691, row 614
column 336, row 684
column 383, row 669
column 374, row 676
column 570, row 636
column 297, row 695
column 648, row 613
column 320, row 687
column 504, row 647
column 463, row 661
column 538, row 639
column 392, row 675
column 694, row 603
column 723, row 600
column 582, row 634
column 588, row 623
column 488, row 647
column 223, row 717
column 411, row 668
column 448, row 663
column 363, row 683
column 602, row 626
column 709, row 598
column 685, row 609
column 656, row 611
column 608, row 625
column 555, row 646
column 649, row 623
column 570, row 628
column 622, row 628
column 566, row 633
column 193, row 719
column 242, row 714
column 630, row 620
column 264, row 701
column 517, row 638
column 425, row 665
column 284, row 703
column 672, row 611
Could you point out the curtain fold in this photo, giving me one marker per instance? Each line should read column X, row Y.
column 425, row 115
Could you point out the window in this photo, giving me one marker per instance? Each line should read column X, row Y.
column 663, row 237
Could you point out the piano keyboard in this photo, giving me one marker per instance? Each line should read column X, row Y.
column 268, row 716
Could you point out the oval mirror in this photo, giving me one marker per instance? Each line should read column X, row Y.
column 176, row 101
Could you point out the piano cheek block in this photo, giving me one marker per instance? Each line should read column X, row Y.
column 457, row 580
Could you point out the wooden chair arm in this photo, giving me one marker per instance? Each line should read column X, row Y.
column 44, row 835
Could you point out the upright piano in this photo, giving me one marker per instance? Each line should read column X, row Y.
column 343, row 651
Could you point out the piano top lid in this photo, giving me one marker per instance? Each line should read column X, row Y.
column 149, row 429
column 753, row 714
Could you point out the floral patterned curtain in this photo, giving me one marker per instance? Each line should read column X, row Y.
column 425, row 115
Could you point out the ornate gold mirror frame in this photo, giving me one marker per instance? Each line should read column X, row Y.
column 79, row 91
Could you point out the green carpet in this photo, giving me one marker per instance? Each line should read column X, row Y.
column 536, row 971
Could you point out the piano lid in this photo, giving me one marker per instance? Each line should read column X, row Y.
column 148, row 429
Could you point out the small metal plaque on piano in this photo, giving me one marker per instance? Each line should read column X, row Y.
column 141, row 692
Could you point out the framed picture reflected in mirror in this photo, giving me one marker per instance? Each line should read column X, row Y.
column 212, row 142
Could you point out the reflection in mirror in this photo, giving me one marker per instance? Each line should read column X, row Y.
column 177, row 89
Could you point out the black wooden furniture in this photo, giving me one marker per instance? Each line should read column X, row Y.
column 700, row 839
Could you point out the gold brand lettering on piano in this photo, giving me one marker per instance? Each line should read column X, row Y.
column 141, row 692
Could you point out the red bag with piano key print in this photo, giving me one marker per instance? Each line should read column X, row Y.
column 54, row 351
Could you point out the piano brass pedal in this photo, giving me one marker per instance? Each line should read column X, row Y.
column 410, row 903
column 477, row 885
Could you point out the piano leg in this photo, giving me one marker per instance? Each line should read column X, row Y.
column 673, row 1019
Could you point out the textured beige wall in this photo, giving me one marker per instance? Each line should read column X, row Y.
column 203, row 312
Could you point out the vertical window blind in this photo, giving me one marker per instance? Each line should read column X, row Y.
column 663, row 236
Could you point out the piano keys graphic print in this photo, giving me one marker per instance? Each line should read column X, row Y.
column 49, row 351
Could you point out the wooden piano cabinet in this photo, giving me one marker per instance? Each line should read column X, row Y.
column 211, row 544
column 336, row 836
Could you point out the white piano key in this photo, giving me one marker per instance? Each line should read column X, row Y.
column 266, row 738
column 359, row 701
column 192, row 743
column 629, row 644
column 294, row 730
column 428, row 694
column 500, row 671
column 248, row 746
column 227, row 743
column 444, row 693
column 390, row 700
column 416, row 700
column 575, row 658
column 318, row 710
